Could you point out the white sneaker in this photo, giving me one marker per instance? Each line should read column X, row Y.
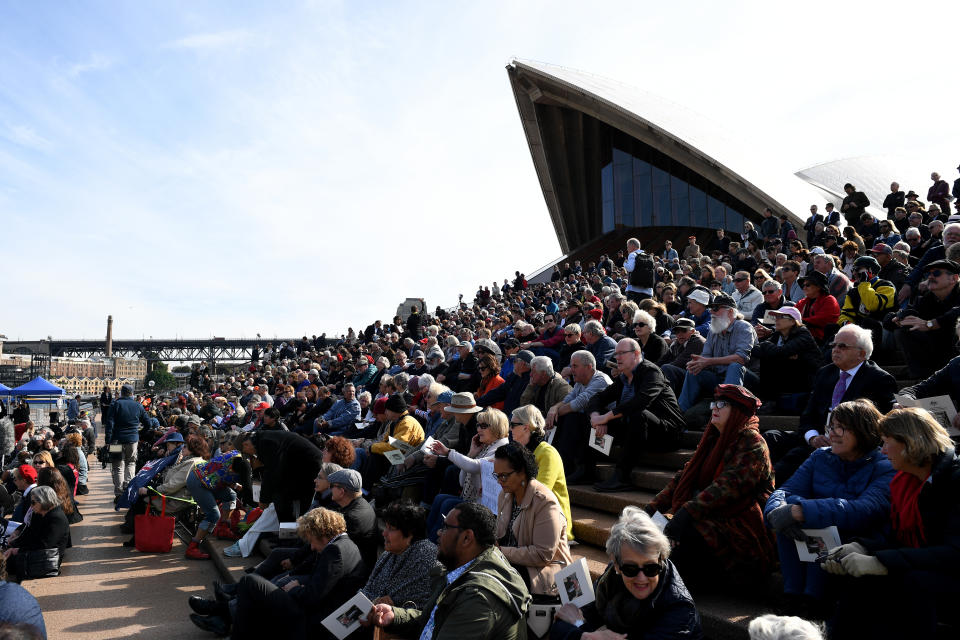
column 233, row 551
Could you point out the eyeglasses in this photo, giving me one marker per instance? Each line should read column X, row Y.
column 446, row 525
column 639, row 324
column 516, row 424
column 740, row 279
column 500, row 477
column 719, row 404
column 771, row 292
column 651, row 570
column 838, row 429
column 482, row 425
column 936, row 273
column 842, row 347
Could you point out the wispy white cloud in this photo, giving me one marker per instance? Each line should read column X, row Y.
column 235, row 39
column 96, row 62
column 26, row 136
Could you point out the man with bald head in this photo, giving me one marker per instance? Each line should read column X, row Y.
column 645, row 414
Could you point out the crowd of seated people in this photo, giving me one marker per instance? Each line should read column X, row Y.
column 641, row 346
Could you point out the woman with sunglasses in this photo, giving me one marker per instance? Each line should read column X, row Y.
column 717, row 529
column 645, row 329
column 489, row 377
column 846, row 484
column 640, row 593
column 531, row 527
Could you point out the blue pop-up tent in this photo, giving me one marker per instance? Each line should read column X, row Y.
column 4, row 390
column 37, row 387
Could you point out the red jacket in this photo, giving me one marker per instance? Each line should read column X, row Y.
column 823, row 312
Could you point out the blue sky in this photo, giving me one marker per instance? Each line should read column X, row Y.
column 233, row 168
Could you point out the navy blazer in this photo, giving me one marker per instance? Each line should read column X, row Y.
column 871, row 382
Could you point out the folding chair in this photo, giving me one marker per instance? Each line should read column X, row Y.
column 186, row 520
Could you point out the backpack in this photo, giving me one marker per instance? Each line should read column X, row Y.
column 643, row 271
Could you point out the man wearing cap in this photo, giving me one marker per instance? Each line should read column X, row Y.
column 692, row 250
column 870, row 300
column 347, row 495
column 698, row 309
column 925, row 331
column 726, row 352
column 644, row 413
column 399, row 424
column 788, row 355
column 687, row 342
column 510, row 392
column 746, row 296
column 341, row 415
column 773, row 299
column 891, row 270
column 122, row 426
column 951, row 235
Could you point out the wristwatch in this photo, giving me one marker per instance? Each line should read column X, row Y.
column 929, row 324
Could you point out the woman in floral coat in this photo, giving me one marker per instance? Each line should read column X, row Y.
column 717, row 528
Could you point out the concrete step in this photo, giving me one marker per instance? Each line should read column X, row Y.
column 592, row 527
column 671, row 460
column 787, row 423
column 596, row 558
column 644, row 478
column 691, row 438
column 585, row 496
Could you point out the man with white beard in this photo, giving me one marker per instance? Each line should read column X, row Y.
column 725, row 354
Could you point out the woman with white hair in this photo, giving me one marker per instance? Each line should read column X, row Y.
column 38, row 549
column 771, row 627
column 645, row 329
column 640, row 593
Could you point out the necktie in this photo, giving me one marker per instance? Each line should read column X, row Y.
column 840, row 389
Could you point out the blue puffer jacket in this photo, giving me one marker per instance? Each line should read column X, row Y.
column 854, row 496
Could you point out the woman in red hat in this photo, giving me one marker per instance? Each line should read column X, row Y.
column 717, row 528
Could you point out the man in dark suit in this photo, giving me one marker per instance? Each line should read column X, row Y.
column 851, row 376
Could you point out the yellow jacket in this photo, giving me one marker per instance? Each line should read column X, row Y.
column 868, row 300
column 550, row 474
column 406, row 428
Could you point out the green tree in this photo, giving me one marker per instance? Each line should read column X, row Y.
column 162, row 378
column 181, row 368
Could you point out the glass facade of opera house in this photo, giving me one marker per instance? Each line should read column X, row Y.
column 642, row 187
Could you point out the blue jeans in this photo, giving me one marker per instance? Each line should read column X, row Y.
column 442, row 505
column 207, row 500
column 694, row 385
column 799, row 577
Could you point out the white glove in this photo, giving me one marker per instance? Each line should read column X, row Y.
column 858, row 565
column 839, row 553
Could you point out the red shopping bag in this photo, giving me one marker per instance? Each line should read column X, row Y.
column 154, row 534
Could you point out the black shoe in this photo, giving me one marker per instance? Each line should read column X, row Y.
column 612, row 484
column 206, row 607
column 221, row 593
column 82, row 490
column 214, row 624
column 132, row 542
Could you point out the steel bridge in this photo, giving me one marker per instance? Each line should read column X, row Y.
column 182, row 350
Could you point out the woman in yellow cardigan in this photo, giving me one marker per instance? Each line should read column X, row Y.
column 400, row 425
column 527, row 429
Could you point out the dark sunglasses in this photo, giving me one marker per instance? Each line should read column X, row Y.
column 740, row 279
column 639, row 324
column 651, row 570
column 936, row 273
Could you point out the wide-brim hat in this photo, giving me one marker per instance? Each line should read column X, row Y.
column 463, row 403
column 815, row 277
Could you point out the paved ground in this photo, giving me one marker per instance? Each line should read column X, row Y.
column 106, row 590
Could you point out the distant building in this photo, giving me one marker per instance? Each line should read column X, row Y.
column 94, row 385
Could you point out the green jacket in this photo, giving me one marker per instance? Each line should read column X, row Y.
column 488, row 601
